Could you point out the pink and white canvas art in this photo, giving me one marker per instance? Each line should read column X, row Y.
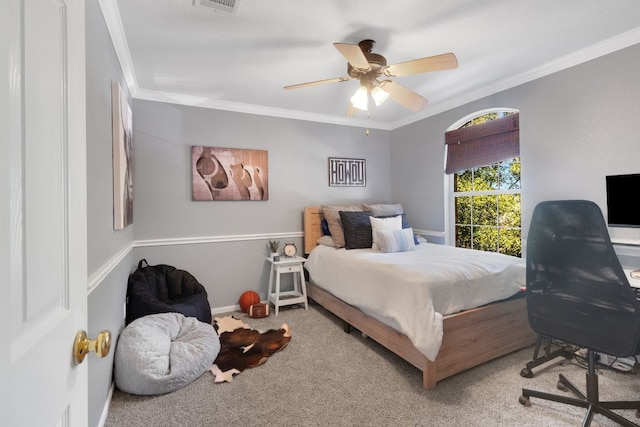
column 229, row 174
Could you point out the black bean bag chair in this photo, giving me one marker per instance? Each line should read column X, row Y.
column 161, row 288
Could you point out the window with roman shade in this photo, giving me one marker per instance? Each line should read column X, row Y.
column 482, row 144
column 484, row 191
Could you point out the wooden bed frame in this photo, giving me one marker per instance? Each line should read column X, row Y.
column 470, row 337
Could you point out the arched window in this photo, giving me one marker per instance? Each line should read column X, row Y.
column 483, row 182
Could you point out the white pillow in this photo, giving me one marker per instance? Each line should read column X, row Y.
column 384, row 224
column 396, row 240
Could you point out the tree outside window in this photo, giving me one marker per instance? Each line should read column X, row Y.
column 487, row 204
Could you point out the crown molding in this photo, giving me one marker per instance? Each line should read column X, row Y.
column 216, row 104
column 111, row 15
column 597, row 50
column 113, row 21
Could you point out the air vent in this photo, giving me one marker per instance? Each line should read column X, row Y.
column 226, row 6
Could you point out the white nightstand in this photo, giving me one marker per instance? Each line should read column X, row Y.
column 299, row 293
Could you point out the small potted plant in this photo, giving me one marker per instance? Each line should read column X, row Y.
column 273, row 246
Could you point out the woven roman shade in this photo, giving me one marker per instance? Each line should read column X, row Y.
column 483, row 144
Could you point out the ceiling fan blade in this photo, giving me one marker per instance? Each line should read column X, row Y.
column 318, row 82
column 446, row 61
column 354, row 55
column 403, row 96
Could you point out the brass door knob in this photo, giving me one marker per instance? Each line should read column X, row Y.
column 83, row 345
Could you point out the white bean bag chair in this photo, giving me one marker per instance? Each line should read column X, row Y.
column 161, row 353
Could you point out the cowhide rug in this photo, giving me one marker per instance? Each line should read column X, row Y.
column 242, row 347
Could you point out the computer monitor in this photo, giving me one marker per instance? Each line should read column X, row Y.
column 622, row 210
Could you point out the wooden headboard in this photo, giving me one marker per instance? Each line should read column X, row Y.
column 312, row 227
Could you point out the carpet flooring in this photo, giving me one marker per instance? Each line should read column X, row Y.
column 326, row 377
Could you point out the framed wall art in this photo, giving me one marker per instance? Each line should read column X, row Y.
column 122, row 129
column 347, row 172
column 229, row 174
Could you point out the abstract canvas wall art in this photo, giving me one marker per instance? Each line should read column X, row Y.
column 229, row 174
column 122, row 125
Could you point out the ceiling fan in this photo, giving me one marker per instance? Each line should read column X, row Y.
column 368, row 67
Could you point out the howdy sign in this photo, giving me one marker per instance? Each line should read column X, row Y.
column 347, row 172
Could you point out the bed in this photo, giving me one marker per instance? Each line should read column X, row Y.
column 468, row 337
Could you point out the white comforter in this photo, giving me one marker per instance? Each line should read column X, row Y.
column 413, row 290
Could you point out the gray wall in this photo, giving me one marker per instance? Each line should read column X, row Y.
column 109, row 257
column 576, row 126
column 233, row 261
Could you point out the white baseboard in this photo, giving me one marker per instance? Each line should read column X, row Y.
column 227, row 309
column 107, row 404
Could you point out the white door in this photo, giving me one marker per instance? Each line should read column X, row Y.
column 43, row 213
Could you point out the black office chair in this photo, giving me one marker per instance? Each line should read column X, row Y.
column 578, row 293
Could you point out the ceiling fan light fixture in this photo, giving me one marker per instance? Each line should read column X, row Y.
column 379, row 95
column 367, row 67
column 360, row 99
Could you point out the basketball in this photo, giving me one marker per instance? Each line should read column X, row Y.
column 247, row 299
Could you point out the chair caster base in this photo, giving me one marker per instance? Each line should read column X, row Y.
column 524, row 401
column 562, row 386
column 526, row 373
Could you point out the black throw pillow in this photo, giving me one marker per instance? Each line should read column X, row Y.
column 357, row 229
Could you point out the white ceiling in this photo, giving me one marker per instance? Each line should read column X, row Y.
column 180, row 51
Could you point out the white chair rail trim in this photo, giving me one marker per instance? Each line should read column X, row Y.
column 214, row 239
